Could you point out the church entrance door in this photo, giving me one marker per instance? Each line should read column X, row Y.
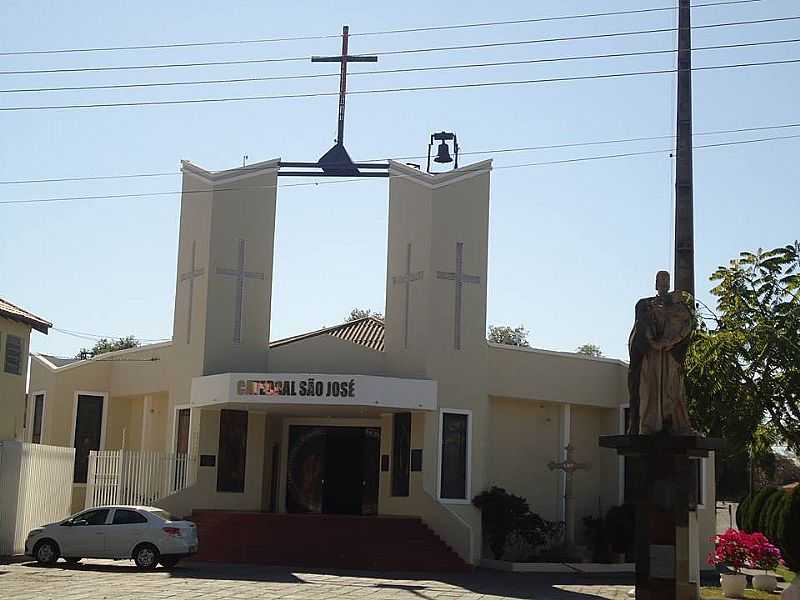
column 333, row 470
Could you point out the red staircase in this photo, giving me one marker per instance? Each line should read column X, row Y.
column 328, row 541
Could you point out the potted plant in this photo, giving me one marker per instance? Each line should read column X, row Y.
column 731, row 549
column 766, row 557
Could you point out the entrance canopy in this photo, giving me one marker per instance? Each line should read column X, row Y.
column 262, row 390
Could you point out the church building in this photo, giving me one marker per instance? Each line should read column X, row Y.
column 410, row 416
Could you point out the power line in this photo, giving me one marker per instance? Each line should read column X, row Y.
column 96, row 336
column 391, row 90
column 317, row 183
column 366, row 33
column 393, row 71
column 399, row 52
column 471, row 153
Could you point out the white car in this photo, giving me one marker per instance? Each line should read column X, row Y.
column 145, row 534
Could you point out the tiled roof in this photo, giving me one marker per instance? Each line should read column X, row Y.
column 59, row 361
column 15, row 313
column 367, row 332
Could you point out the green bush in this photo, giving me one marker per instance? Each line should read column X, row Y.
column 621, row 528
column 778, row 519
column 789, row 530
column 502, row 514
column 765, row 519
column 741, row 511
column 753, row 515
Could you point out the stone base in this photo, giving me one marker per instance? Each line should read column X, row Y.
column 662, row 497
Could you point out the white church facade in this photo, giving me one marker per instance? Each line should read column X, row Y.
column 411, row 415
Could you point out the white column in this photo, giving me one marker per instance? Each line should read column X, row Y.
column 564, row 439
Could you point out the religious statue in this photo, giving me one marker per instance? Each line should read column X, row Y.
column 657, row 345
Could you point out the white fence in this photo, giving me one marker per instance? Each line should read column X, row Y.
column 35, row 489
column 136, row 477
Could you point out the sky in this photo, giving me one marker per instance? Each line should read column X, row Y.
column 572, row 245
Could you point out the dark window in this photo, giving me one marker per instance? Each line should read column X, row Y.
column 401, row 450
column 455, row 430
column 232, row 450
column 94, row 517
column 182, row 433
column 13, row 355
column 696, row 488
column 38, row 411
column 88, row 427
column 123, row 516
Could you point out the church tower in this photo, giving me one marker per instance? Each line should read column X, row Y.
column 436, row 311
column 224, row 281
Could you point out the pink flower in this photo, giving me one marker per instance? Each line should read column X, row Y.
column 738, row 549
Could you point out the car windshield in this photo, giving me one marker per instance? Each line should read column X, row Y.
column 161, row 513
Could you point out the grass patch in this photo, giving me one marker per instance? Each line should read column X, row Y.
column 788, row 576
column 715, row 593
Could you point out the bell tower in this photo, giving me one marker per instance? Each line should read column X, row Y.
column 224, row 283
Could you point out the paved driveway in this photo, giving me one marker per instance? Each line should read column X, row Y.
column 98, row 580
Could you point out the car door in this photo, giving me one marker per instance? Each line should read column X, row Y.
column 128, row 527
column 85, row 535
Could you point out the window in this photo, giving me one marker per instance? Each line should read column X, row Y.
column 454, row 464
column 13, row 361
column 697, row 471
column 123, row 516
column 38, row 413
column 232, row 450
column 93, row 517
column 88, row 432
column 401, row 451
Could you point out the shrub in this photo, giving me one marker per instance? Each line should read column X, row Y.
column 730, row 549
column 502, row 514
column 753, row 515
column 765, row 519
column 741, row 511
column 789, row 530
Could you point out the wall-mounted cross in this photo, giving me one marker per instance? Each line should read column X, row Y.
column 240, row 274
column 406, row 280
column 460, row 278
column 569, row 466
column 191, row 275
column 344, row 58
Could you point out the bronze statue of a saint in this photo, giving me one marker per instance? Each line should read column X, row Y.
column 657, row 345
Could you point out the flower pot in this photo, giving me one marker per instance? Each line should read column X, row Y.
column 733, row 585
column 765, row 583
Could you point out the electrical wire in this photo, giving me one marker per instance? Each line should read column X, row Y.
column 393, row 71
column 349, row 180
column 388, row 90
column 400, row 158
column 402, row 52
column 366, row 33
column 96, row 336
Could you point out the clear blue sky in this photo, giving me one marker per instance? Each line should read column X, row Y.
column 571, row 246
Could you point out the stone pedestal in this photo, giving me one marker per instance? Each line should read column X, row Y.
column 662, row 497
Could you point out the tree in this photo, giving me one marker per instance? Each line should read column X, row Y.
column 511, row 336
column 743, row 367
column 360, row 313
column 105, row 345
column 590, row 350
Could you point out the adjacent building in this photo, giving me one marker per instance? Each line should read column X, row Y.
column 15, row 341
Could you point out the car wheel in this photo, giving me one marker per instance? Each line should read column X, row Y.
column 72, row 560
column 146, row 556
column 46, row 552
column 169, row 561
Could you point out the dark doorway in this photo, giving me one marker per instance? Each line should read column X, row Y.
column 333, row 470
column 88, row 433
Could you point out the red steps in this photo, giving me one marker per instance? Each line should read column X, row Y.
column 327, row 541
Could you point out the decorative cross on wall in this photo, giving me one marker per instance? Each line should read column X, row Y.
column 460, row 278
column 406, row 280
column 240, row 275
column 569, row 466
column 191, row 275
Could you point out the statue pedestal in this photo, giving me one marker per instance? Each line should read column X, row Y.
column 662, row 496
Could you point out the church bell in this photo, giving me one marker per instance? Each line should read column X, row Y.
column 443, row 155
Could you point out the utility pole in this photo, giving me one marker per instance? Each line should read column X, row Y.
column 684, row 201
